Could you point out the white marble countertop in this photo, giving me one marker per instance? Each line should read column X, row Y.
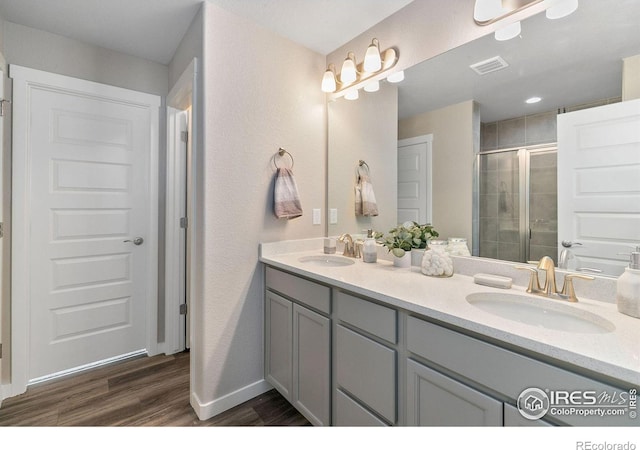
column 614, row 354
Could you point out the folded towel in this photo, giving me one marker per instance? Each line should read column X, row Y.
column 285, row 195
column 365, row 198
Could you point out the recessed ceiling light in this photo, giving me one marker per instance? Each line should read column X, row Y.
column 532, row 100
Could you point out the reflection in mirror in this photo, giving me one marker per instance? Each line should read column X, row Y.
column 572, row 63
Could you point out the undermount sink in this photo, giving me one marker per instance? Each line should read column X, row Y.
column 540, row 312
column 327, row 260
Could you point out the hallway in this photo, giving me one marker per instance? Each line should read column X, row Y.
column 137, row 392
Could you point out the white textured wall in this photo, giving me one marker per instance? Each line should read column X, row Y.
column 261, row 93
column 455, row 136
column 29, row 47
column 364, row 129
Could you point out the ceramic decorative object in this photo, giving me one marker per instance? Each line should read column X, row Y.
column 402, row 261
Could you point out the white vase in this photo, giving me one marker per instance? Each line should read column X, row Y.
column 404, row 261
column 416, row 256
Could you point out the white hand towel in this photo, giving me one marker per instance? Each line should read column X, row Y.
column 285, row 195
column 365, row 198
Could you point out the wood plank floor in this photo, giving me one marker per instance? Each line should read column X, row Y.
column 141, row 391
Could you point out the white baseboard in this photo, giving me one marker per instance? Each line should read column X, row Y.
column 213, row 408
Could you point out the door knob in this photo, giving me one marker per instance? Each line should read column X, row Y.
column 569, row 244
column 136, row 241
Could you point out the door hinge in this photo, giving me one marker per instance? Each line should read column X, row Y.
column 184, row 222
column 184, row 136
column 2, row 102
column 183, row 309
column 1, row 229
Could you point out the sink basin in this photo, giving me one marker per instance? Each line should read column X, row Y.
column 327, row 260
column 540, row 312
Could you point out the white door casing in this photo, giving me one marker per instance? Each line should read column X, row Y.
column 414, row 179
column 85, row 180
column 599, row 184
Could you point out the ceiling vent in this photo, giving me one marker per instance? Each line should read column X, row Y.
column 489, row 65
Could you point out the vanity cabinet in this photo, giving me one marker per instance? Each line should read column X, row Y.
column 434, row 399
column 365, row 362
column 349, row 360
column 500, row 373
column 298, row 343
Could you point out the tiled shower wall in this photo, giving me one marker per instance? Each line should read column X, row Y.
column 499, row 186
column 528, row 130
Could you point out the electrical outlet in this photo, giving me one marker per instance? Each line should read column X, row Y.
column 316, row 216
column 333, row 216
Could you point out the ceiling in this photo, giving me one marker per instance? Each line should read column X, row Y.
column 567, row 62
column 153, row 29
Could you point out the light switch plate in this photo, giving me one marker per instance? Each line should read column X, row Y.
column 333, row 216
column 316, row 216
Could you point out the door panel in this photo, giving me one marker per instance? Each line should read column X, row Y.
column 90, row 170
column 599, row 186
column 414, row 180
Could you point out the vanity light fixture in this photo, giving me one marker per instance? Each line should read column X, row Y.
column 372, row 62
column 367, row 75
column 329, row 79
column 558, row 9
column 349, row 74
column 373, row 86
column 486, row 12
column 396, row 77
column 508, row 32
column 351, row 94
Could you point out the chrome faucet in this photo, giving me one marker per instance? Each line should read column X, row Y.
column 550, row 287
column 349, row 248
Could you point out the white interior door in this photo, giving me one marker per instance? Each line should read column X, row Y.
column 414, row 179
column 86, row 185
column 599, row 184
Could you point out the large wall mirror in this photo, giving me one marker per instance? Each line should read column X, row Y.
column 505, row 200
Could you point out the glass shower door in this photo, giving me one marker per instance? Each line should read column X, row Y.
column 518, row 204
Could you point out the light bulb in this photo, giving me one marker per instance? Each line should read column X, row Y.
column 351, row 94
column 373, row 86
column 487, row 9
column 508, row 32
column 396, row 77
column 560, row 8
column 372, row 62
column 329, row 80
column 348, row 73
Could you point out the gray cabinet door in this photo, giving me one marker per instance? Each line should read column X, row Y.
column 512, row 418
column 367, row 371
column 311, row 365
column 278, row 343
column 434, row 399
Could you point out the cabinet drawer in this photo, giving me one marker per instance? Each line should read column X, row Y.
column 303, row 291
column 367, row 370
column 350, row 414
column 371, row 317
column 502, row 370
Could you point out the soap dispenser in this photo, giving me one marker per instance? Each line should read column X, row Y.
column 369, row 249
column 628, row 288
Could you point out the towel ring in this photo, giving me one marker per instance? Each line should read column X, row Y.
column 281, row 152
column 360, row 164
